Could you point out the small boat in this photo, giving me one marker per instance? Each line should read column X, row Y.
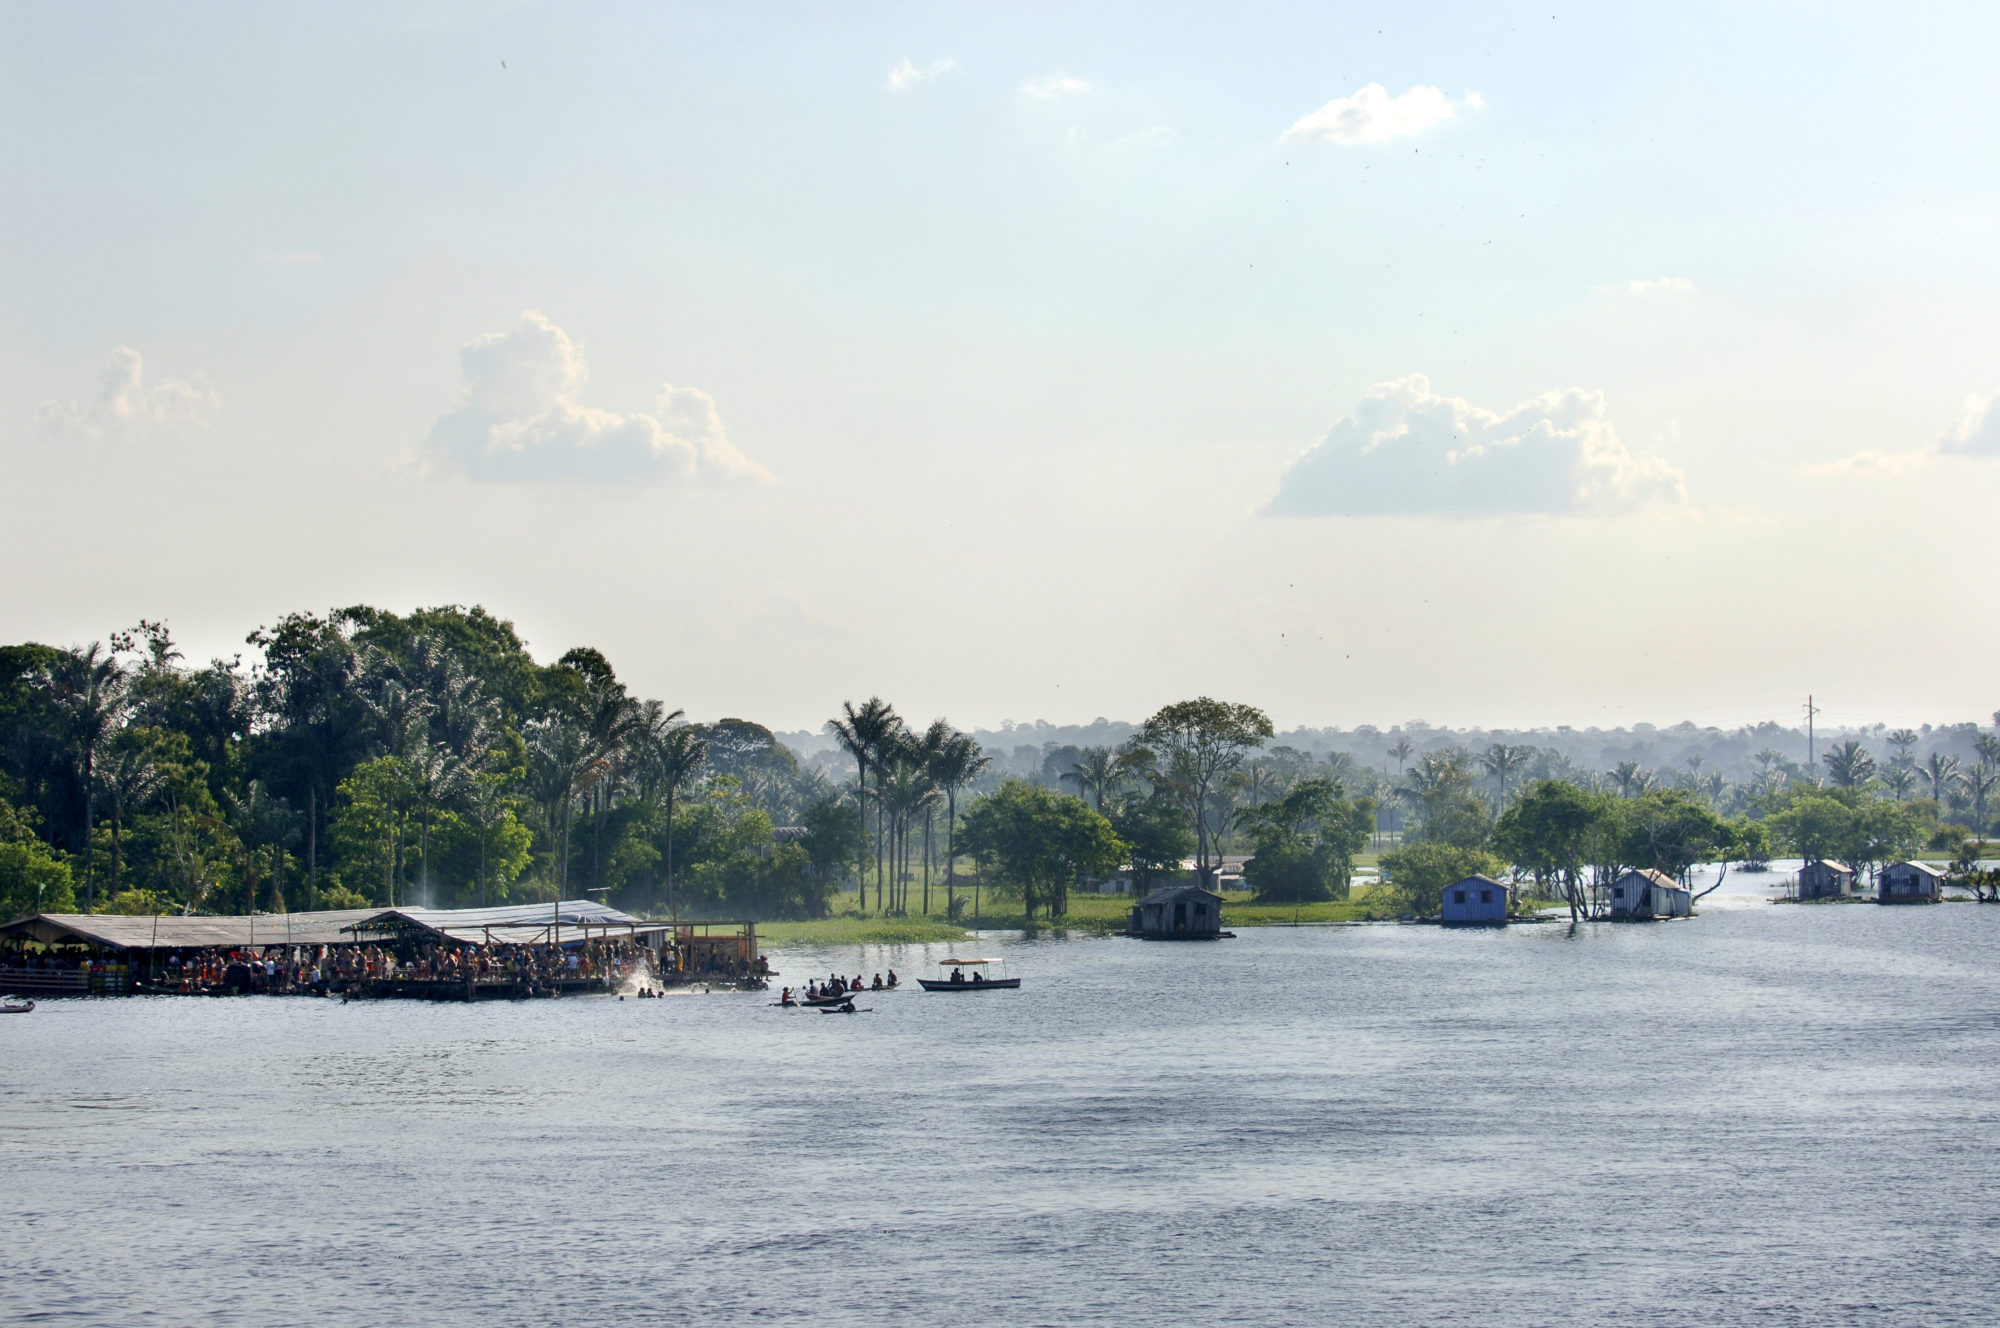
column 987, row 975
column 833, row 999
column 846, row 1007
column 18, row 1007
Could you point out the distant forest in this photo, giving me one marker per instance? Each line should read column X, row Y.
column 363, row 758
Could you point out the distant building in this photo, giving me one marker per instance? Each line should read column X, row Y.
column 1476, row 901
column 1178, row 913
column 1909, row 883
column 1823, row 878
column 1228, row 869
column 1650, row 894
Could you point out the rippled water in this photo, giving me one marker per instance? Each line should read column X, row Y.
column 1767, row 1115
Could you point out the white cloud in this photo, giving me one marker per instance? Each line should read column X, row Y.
column 125, row 404
column 1407, row 451
column 1975, row 433
column 1661, row 286
column 1145, row 138
column 1373, row 116
column 520, row 420
column 906, row 75
column 1052, row 87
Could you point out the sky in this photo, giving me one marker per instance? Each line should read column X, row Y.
column 1482, row 364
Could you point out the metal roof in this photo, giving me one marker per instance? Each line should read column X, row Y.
column 1924, row 867
column 567, row 913
column 1659, row 878
column 175, row 932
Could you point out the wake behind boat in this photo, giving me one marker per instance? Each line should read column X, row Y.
column 986, row 975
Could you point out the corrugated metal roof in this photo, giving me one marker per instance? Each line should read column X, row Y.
column 172, row 931
column 569, row 912
column 1934, row 873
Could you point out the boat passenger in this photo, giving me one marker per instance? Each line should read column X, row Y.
column 785, row 997
column 892, row 977
column 878, row 982
column 958, row 975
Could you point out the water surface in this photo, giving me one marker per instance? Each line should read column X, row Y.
column 1764, row 1115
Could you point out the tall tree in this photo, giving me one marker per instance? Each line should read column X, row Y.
column 89, row 685
column 1940, row 769
column 957, row 764
column 1197, row 743
column 1503, row 762
column 1849, row 765
column 866, row 734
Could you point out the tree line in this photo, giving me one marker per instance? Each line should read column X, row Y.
column 364, row 758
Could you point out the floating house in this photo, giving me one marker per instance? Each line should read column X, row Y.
column 1178, row 913
column 1641, row 895
column 1909, row 883
column 1823, row 878
column 1476, row 901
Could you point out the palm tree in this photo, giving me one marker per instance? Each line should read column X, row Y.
column 1940, row 770
column 130, row 779
column 1902, row 740
column 865, row 734
column 1095, row 773
column 681, row 753
column 1849, row 765
column 1900, row 779
column 435, row 775
column 562, row 762
column 1631, row 779
column 1402, row 751
column 1502, row 762
column 1979, row 782
column 957, row 764
column 90, row 695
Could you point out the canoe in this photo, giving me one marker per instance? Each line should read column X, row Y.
column 991, row 984
column 24, row 1007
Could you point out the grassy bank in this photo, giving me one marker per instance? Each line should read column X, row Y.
column 1091, row 914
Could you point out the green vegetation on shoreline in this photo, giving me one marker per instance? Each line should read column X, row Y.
column 1092, row 914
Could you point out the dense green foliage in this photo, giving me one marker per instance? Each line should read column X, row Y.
column 1305, row 842
column 1039, row 844
column 369, row 758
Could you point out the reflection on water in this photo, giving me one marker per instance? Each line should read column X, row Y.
column 1767, row 1115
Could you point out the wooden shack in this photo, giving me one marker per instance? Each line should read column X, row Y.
column 1647, row 894
column 1178, row 913
column 1476, row 901
column 1909, row 883
column 1823, row 878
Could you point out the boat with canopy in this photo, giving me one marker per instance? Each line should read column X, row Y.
column 970, row 975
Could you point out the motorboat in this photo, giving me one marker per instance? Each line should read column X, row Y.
column 958, row 975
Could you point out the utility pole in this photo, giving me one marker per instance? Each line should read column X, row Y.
column 1812, row 755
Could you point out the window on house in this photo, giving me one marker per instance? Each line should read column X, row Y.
column 1485, row 896
column 1458, row 896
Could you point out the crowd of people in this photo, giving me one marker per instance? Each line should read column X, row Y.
column 331, row 969
column 364, row 969
column 836, row 985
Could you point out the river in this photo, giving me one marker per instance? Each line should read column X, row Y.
column 1764, row 1115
